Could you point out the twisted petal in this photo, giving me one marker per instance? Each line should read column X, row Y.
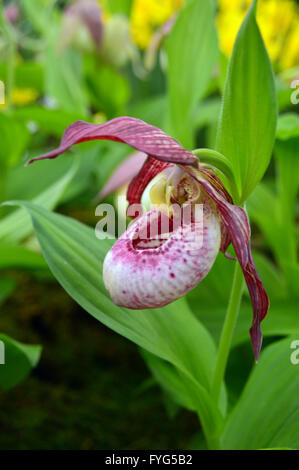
column 124, row 173
column 152, row 273
column 131, row 131
column 237, row 232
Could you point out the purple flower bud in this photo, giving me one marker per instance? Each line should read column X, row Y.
column 12, row 13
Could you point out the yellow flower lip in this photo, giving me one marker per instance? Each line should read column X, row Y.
column 155, row 193
column 173, row 186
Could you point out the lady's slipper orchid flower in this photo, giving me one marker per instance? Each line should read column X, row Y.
column 12, row 13
column 147, row 273
column 82, row 25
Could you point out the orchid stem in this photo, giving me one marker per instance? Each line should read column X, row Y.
column 227, row 332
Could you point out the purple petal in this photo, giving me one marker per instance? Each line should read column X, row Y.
column 89, row 12
column 124, row 173
column 134, row 132
column 12, row 12
column 153, row 273
column 236, row 224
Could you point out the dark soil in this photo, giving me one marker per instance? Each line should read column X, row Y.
column 91, row 389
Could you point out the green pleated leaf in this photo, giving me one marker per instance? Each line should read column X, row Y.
column 263, row 208
column 120, row 6
column 16, row 361
column 64, row 77
column 17, row 256
column 267, row 414
column 169, row 379
column 14, row 140
column 209, row 299
column 247, row 122
column 75, row 256
column 16, row 226
column 286, row 153
column 37, row 12
column 49, row 121
column 287, row 126
column 282, row 320
column 192, row 50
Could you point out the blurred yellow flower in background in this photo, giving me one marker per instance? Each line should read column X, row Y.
column 278, row 21
column 22, row 97
column 149, row 15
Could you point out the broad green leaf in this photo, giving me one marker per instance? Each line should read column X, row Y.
column 14, row 139
column 282, row 320
column 215, row 288
column 19, row 359
column 208, row 301
column 169, row 379
column 286, row 153
column 37, row 12
column 75, row 257
column 266, row 415
column 292, row 274
column 223, row 67
column 16, row 256
column 208, row 112
column 109, row 90
column 48, row 121
column 120, row 6
column 192, row 50
column 150, row 110
column 64, row 77
column 287, row 126
column 247, row 122
column 263, row 208
column 27, row 75
column 275, row 213
column 44, row 175
column 273, row 280
column 88, row 155
column 16, row 226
